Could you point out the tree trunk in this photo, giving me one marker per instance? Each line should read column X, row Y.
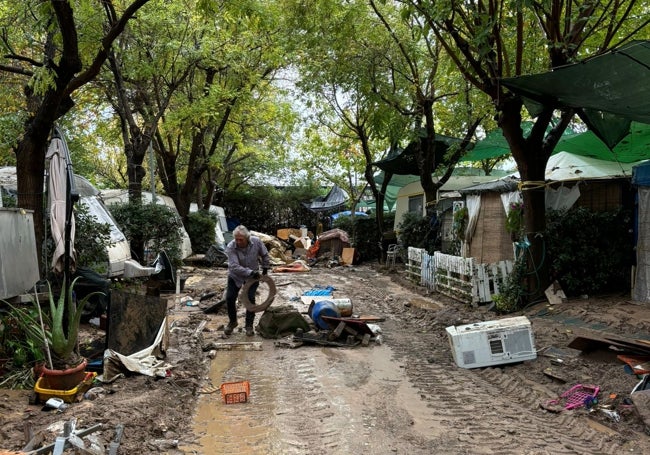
column 531, row 159
column 30, row 170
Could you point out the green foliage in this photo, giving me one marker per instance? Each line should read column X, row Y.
column 511, row 289
column 61, row 333
column 515, row 219
column 92, row 238
column 154, row 225
column 590, row 252
column 23, row 347
column 460, row 222
column 265, row 209
column 366, row 237
column 415, row 230
column 200, row 227
column 8, row 200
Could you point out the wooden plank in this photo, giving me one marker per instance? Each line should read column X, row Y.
column 351, row 325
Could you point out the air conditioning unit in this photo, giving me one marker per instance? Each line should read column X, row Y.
column 490, row 343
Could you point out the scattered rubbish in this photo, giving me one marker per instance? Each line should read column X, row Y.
column 552, row 373
column 233, row 346
column 207, row 296
column 561, row 353
column 588, row 343
column 56, row 403
column 327, row 291
column 637, row 364
column 577, row 396
column 643, row 384
column 615, row 416
column 320, row 309
column 115, row 443
column 71, row 436
column 344, row 306
column 555, row 294
column 235, row 392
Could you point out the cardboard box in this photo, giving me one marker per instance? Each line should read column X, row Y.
column 347, row 256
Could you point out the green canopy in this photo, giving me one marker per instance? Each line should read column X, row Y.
column 404, row 162
column 608, row 91
column 635, row 146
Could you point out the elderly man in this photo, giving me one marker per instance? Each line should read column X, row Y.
column 244, row 255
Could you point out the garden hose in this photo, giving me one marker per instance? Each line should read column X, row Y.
column 243, row 295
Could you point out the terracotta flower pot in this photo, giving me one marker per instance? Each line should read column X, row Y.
column 63, row 379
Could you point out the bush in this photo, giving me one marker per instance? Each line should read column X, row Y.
column 364, row 232
column 92, row 238
column 200, row 227
column 156, row 226
column 416, row 231
column 590, row 252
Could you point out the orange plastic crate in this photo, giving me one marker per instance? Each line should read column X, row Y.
column 235, row 392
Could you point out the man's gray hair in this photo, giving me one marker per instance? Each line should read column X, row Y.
column 242, row 230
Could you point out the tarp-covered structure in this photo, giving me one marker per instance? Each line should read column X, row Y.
column 335, row 199
column 570, row 180
column 608, row 91
column 404, row 161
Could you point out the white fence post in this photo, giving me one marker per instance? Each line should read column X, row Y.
column 456, row 276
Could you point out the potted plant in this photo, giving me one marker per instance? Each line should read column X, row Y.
column 59, row 331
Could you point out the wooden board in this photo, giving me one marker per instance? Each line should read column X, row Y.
column 347, row 256
column 354, row 323
column 593, row 342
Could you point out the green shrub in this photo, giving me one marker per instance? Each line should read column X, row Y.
column 590, row 252
column 92, row 238
column 154, row 225
column 200, row 227
column 364, row 233
column 415, row 230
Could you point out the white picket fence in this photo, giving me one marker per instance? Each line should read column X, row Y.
column 457, row 277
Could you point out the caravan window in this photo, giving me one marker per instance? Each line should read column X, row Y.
column 416, row 203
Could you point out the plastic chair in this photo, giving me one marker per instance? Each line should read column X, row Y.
column 391, row 254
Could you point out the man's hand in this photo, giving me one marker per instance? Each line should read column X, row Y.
column 255, row 275
column 265, row 271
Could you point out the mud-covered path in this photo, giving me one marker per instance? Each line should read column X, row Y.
column 404, row 396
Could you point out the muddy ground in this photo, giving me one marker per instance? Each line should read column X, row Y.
column 401, row 394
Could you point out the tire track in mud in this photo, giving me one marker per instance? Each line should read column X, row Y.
column 306, row 411
column 470, row 403
column 473, row 403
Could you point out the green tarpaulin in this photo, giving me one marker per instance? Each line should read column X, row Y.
column 608, row 91
column 404, row 162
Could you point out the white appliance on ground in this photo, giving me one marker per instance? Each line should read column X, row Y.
column 488, row 343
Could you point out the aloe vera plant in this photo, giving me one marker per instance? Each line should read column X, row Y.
column 61, row 338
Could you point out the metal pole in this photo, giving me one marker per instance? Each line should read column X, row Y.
column 152, row 173
column 71, row 196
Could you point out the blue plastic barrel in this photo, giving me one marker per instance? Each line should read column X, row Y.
column 324, row 308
